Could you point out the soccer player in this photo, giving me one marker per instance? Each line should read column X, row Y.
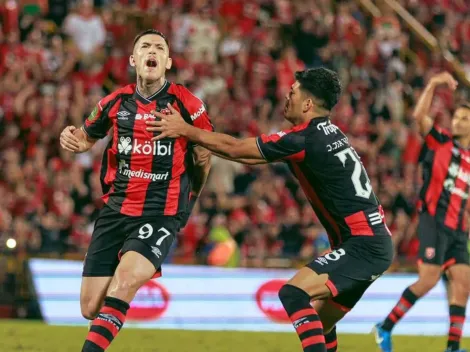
column 338, row 188
column 149, row 186
column 442, row 229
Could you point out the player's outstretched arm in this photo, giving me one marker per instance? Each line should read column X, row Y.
column 243, row 161
column 75, row 140
column 174, row 126
column 421, row 112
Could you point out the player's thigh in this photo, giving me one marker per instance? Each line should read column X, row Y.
column 152, row 238
column 457, row 249
column 92, row 294
column 459, row 283
column 101, row 260
column 357, row 263
column 456, row 257
column 432, row 241
column 329, row 312
column 133, row 271
column 107, row 240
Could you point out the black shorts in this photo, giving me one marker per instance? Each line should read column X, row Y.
column 440, row 245
column 354, row 266
column 115, row 234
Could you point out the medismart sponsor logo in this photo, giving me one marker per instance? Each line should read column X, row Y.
column 145, row 175
column 124, row 170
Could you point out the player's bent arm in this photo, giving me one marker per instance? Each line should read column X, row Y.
column 421, row 111
column 223, row 144
column 243, row 161
column 202, row 166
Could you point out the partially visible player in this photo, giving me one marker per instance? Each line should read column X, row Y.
column 148, row 187
column 338, row 188
column 442, row 230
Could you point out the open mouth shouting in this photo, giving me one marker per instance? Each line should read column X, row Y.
column 151, row 62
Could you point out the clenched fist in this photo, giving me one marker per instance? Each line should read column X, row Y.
column 74, row 140
column 444, row 78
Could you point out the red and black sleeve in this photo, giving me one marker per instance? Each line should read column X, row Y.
column 284, row 145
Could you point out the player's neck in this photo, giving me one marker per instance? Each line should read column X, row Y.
column 147, row 89
column 464, row 142
column 311, row 116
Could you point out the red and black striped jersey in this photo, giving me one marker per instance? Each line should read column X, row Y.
column 446, row 175
column 332, row 176
column 144, row 177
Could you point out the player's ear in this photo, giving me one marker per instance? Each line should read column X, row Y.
column 169, row 62
column 307, row 105
column 132, row 60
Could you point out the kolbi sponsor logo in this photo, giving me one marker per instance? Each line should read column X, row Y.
column 268, row 301
column 125, row 146
column 151, row 148
column 150, row 302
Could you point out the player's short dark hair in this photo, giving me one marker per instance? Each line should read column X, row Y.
column 464, row 106
column 150, row 31
column 322, row 83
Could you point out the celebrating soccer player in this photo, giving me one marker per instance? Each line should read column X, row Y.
column 151, row 191
column 442, row 229
column 338, row 188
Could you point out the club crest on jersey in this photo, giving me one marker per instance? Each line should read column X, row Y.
column 430, row 253
column 327, row 127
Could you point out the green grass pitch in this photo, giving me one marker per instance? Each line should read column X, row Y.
column 38, row 337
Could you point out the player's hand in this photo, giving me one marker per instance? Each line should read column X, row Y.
column 170, row 125
column 444, row 78
column 68, row 141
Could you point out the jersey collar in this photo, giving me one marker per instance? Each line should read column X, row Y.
column 317, row 120
column 138, row 96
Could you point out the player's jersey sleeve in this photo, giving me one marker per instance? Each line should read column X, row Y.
column 437, row 136
column 196, row 110
column 98, row 123
column 284, row 145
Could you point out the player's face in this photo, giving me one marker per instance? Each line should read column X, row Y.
column 151, row 57
column 293, row 106
column 461, row 123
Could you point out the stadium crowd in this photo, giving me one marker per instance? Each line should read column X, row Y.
column 58, row 58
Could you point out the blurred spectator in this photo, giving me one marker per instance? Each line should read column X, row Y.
column 86, row 28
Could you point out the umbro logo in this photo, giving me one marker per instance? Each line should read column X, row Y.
column 123, row 115
column 156, row 251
